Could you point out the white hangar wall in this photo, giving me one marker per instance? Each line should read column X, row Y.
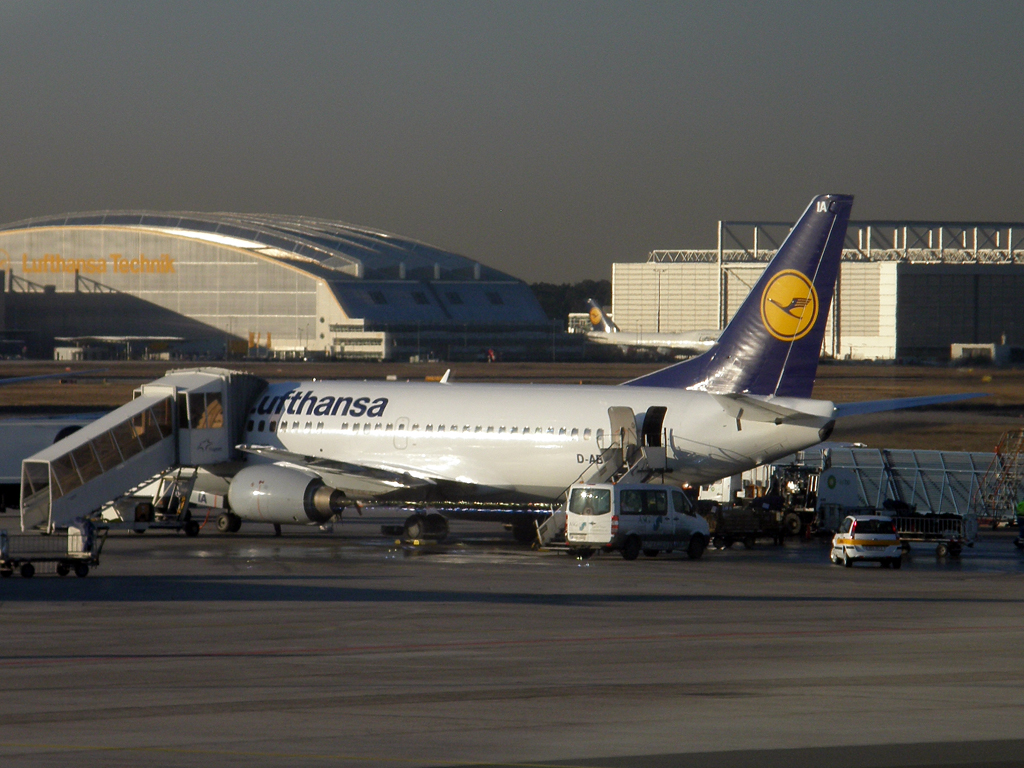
column 219, row 286
column 862, row 322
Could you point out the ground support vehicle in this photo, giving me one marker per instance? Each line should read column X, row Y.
column 632, row 518
column 867, row 538
column 729, row 524
column 949, row 533
column 164, row 503
column 74, row 550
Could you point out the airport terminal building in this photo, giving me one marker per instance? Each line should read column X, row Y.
column 279, row 286
column 906, row 290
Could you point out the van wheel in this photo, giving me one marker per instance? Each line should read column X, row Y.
column 896, row 563
column 696, row 547
column 847, row 560
column 631, row 549
column 650, row 553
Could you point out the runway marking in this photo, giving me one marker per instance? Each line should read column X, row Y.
column 13, row 661
column 281, row 755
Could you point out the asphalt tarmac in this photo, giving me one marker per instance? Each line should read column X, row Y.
column 345, row 648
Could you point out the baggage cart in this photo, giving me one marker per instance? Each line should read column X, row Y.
column 949, row 533
column 76, row 550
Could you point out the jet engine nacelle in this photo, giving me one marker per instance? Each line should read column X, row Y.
column 271, row 493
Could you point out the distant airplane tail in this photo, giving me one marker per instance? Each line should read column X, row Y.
column 772, row 344
column 598, row 321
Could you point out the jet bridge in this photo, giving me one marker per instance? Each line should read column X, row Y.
column 187, row 418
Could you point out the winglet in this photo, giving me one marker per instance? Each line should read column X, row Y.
column 444, row 379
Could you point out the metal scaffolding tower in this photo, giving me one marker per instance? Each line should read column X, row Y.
column 1003, row 485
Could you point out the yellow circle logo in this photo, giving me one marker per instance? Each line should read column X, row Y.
column 595, row 316
column 789, row 305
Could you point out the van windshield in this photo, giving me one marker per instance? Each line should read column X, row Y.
column 590, row 501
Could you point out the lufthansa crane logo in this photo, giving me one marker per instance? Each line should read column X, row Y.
column 595, row 316
column 789, row 305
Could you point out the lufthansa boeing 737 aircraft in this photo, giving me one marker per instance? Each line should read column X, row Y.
column 316, row 447
column 604, row 331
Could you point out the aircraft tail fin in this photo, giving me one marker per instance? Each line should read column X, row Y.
column 598, row 320
column 772, row 345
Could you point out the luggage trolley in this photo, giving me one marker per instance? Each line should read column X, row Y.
column 949, row 533
column 74, row 551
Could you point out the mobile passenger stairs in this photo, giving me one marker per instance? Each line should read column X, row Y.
column 631, row 457
column 143, row 455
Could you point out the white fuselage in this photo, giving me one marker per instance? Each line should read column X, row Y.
column 693, row 342
column 532, row 440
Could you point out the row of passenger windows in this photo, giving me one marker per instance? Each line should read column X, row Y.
column 365, row 426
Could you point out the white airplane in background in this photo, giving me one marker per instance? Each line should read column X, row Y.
column 318, row 446
column 604, row 331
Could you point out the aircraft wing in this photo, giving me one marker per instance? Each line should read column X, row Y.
column 359, row 477
column 880, row 406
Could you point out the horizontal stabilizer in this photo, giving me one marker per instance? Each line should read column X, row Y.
column 880, row 406
column 755, row 409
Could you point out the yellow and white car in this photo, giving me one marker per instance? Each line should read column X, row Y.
column 867, row 537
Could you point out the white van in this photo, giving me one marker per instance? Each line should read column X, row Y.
column 633, row 518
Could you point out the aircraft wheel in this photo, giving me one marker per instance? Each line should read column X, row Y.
column 225, row 522
column 414, row 527
column 631, row 549
column 81, row 570
column 524, row 531
column 436, row 526
column 695, row 549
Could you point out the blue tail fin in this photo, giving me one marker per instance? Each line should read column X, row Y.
column 598, row 321
column 772, row 344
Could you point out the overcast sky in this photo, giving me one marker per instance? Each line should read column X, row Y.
column 545, row 139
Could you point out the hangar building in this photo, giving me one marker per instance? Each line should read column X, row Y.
column 284, row 286
column 905, row 289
